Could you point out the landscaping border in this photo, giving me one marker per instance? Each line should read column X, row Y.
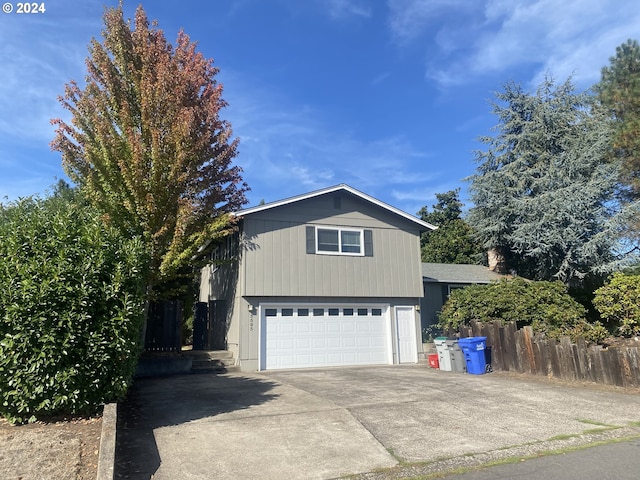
column 107, row 452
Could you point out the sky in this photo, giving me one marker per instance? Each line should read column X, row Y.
column 387, row 96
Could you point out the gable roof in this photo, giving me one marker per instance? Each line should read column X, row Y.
column 335, row 188
column 456, row 273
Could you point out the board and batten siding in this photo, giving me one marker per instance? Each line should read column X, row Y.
column 275, row 262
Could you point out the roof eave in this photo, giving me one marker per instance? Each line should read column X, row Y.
column 259, row 208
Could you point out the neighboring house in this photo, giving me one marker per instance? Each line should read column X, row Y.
column 440, row 278
column 327, row 278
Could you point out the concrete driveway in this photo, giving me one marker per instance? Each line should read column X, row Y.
column 323, row 424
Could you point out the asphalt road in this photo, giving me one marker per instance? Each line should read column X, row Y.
column 616, row 461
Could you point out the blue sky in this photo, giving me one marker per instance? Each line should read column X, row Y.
column 388, row 96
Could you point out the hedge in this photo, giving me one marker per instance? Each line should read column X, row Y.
column 71, row 309
column 618, row 302
column 546, row 306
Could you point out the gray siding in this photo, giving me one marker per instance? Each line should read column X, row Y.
column 275, row 262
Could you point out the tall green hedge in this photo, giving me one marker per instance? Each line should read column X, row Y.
column 546, row 306
column 71, row 309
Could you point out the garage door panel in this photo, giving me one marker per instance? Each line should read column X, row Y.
column 317, row 327
column 320, row 339
column 348, row 327
column 302, row 327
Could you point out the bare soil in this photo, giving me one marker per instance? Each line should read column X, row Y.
column 61, row 449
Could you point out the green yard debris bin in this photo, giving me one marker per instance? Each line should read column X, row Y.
column 444, row 358
column 458, row 362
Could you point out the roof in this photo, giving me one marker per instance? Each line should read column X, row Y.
column 336, row 188
column 455, row 273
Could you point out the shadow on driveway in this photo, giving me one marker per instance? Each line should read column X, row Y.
column 162, row 402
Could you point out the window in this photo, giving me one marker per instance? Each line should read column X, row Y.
column 350, row 241
column 287, row 312
column 303, row 312
column 328, row 240
column 339, row 241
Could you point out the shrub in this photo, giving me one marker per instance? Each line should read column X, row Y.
column 71, row 309
column 618, row 302
column 546, row 306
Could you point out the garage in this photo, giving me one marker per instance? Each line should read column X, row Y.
column 304, row 336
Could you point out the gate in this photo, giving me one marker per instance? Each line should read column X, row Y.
column 164, row 327
column 210, row 325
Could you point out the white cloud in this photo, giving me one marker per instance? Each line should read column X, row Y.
column 410, row 18
column 542, row 36
column 287, row 149
column 380, row 78
column 40, row 54
column 339, row 9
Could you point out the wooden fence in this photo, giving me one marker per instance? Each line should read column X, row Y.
column 164, row 327
column 518, row 350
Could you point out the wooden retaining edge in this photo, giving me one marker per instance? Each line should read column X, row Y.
column 107, row 453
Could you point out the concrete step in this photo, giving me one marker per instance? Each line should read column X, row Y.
column 208, row 354
column 227, row 362
column 215, row 369
column 211, row 361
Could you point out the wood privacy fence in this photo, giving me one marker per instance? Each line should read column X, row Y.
column 518, row 350
column 164, row 327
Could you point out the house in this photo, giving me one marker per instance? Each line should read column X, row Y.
column 327, row 278
column 440, row 279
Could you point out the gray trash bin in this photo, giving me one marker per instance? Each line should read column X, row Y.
column 458, row 362
column 444, row 356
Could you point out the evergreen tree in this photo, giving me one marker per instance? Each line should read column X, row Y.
column 146, row 143
column 453, row 241
column 619, row 93
column 543, row 192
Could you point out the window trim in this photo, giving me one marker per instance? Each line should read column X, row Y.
column 360, row 232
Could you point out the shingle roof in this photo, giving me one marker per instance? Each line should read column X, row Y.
column 450, row 273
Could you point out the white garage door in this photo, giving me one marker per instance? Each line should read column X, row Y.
column 324, row 335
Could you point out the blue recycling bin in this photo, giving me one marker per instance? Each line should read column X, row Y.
column 473, row 349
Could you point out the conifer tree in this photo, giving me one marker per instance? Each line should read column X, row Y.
column 453, row 241
column 619, row 93
column 543, row 194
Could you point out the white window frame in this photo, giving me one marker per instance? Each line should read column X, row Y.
column 360, row 231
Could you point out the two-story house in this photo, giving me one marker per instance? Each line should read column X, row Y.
column 328, row 278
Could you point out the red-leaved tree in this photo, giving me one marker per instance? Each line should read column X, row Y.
column 146, row 142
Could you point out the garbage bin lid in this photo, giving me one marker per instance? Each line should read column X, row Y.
column 472, row 339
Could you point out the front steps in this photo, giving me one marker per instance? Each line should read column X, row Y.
column 429, row 348
column 211, row 361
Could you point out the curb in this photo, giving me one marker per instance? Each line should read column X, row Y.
column 465, row 463
column 107, row 453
